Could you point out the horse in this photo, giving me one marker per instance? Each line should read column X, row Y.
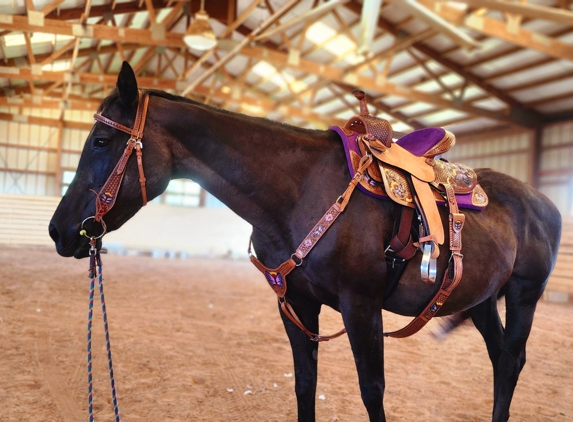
column 281, row 179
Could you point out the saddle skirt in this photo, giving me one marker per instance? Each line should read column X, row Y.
column 385, row 181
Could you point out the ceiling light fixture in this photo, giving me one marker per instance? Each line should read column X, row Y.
column 200, row 34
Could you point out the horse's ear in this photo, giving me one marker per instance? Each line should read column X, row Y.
column 127, row 85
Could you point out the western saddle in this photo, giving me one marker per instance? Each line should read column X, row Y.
column 409, row 173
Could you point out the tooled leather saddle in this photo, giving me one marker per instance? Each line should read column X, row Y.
column 408, row 173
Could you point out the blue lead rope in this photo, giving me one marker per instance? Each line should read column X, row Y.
column 96, row 271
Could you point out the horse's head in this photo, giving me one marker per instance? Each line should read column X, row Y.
column 103, row 149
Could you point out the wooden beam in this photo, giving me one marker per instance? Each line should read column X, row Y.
column 314, row 13
column 538, row 82
column 228, row 31
column 520, row 36
column 440, row 24
column 113, row 33
column 44, row 121
column 144, row 82
column 551, row 99
column 280, row 60
column 518, row 114
column 248, row 39
column 99, row 10
column 529, row 10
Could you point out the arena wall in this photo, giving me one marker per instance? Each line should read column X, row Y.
column 158, row 230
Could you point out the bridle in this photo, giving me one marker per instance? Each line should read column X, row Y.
column 105, row 200
column 107, row 195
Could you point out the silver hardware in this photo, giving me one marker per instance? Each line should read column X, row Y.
column 428, row 265
column 84, row 233
column 299, row 259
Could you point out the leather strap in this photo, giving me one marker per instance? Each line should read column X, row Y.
column 452, row 276
column 429, row 209
column 276, row 277
column 291, row 314
column 401, row 243
column 105, row 199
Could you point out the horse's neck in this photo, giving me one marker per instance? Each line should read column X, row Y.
column 258, row 168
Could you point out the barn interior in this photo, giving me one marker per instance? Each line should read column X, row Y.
column 498, row 74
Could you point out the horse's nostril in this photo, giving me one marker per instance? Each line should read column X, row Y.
column 54, row 232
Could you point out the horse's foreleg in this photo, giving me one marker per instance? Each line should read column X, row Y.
column 521, row 299
column 305, row 356
column 363, row 322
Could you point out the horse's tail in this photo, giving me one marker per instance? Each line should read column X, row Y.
column 451, row 322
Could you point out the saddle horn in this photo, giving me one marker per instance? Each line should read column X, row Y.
column 361, row 96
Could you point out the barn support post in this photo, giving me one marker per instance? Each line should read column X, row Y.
column 59, row 171
column 536, row 155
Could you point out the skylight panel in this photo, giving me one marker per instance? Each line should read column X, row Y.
column 283, row 80
column 319, row 33
column 17, row 39
column 339, row 45
column 58, row 66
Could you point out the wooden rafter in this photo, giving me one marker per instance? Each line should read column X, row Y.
column 521, row 36
column 159, row 57
column 532, row 11
column 519, row 114
column 145, row 82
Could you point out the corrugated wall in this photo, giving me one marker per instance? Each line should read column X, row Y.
column 511, row 152
column 34, row 156
column 508, row 152
column 556, row 167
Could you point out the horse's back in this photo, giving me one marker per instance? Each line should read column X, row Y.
column 528, row 216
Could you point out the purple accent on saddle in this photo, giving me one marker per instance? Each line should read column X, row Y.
column 464, row 201
column 422, row 140
column 350, row 144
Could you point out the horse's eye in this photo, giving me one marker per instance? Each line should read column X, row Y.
column 100, row 143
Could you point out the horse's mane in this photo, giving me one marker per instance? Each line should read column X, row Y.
column 271, row 124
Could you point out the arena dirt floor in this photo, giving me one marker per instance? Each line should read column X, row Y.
column 201, row 340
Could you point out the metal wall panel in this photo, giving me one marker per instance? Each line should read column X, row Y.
column 508, row 153
column 30, row 155
column 556, row 166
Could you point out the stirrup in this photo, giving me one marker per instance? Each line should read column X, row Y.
column 428, row 265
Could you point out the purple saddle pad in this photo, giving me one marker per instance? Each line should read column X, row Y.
column 434, row 135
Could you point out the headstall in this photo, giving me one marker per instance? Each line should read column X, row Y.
column 107, row 195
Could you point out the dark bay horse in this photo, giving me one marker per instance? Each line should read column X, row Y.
column 281, row 179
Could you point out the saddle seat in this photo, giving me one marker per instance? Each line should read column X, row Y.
column 427, row 142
